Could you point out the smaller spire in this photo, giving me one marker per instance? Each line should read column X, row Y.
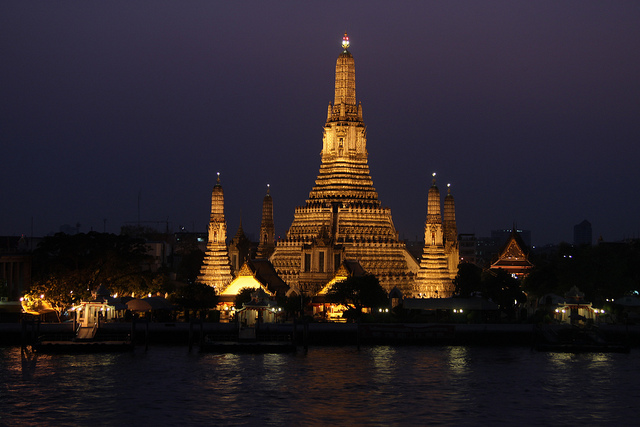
column 345, row 41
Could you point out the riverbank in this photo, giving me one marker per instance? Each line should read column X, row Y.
column 177, row 333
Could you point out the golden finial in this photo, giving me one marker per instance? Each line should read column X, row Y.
column 345, row 41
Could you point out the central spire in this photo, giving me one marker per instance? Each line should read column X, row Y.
column 343, row 218
column 345, row 77
column 344, row 172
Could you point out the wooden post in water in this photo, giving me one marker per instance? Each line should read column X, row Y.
column 305, row 336
column 358, row 333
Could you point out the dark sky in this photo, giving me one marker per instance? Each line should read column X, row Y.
column 530, row 109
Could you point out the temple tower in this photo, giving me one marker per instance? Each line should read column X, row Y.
column 434, row 278
column 450, row 231
column 239, row 249
column 267, row 229
column 215, row 270
column 343, row 218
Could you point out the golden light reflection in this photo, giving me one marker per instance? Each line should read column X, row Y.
column 459, row 359
column 384, row 362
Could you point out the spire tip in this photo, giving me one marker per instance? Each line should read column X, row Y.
column 345, row 41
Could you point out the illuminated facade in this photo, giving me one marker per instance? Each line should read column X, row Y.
column 343, row 218
column 440, row 256
column 216, row 270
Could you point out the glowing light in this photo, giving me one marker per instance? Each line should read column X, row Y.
column 345, row 41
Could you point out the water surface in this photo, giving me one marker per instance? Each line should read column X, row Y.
column 378, row 385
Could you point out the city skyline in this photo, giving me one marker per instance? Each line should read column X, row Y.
column 126, row 111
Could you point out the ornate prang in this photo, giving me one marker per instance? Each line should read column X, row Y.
column 216, row 270
column 440, row 256
column 343, row 218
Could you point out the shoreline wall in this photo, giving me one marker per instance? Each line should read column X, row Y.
column 329, row 333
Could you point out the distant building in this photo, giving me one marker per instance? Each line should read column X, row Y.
column 582, row 233
column 487, row 248
column 513, row 257
column 15, row 267
column 468, row 245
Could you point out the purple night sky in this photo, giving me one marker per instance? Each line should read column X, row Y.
column 530, row 109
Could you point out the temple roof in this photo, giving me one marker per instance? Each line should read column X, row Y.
column 513, row 256
column 257, row 273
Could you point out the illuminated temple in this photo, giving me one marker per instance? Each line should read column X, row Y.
column 216, row 270
column 440, row 256
column 342, row 219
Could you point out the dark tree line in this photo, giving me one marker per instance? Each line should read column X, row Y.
column 496, row 285
column 603, row 271
column 67, row 268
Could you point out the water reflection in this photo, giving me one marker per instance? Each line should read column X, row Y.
column 384, row 363
column 377, row 385
column 458, row 360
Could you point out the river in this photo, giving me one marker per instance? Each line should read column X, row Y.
column 377, row 385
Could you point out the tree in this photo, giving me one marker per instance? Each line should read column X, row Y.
column 67, row 268
column 195, row 296
column 468, row 280
column 605, row 271
column 503, row 289
column 359, row 292
column 243, row 296
column 54, row 294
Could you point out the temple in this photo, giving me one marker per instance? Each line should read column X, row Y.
column 267, row 229
column 342, row 223
column 513, row 257
column 440, row 256
column 343, row 219
column 216, row 271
